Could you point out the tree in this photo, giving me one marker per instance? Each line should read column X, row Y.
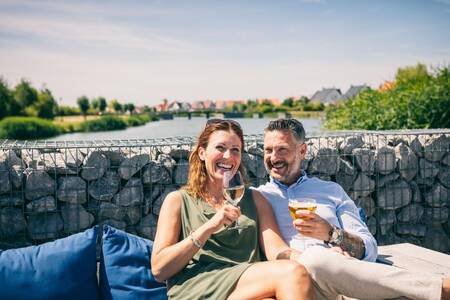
column 289, row 102
column 6, row 99
column 131, row 108
column 46, row 106
column 116, row 106
column 412, row 74
column 83, row 104
column 25, row 95
column 102, row 104
column 95, row 104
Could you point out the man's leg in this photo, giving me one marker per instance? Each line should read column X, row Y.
column 334, row 275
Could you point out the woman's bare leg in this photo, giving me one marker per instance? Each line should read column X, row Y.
column 282, row 279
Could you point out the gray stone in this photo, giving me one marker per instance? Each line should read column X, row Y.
column 254, row 165
column 345, row 180
column 365, row 159
column 154, row 172
column 386, row 220
column 95, row 165
column 438, row 196
column 12, row 221
column 367, row 204
column 109, row 210
column 38, row 184
column 106, row 187
column 363, row 185
column 428, row 169
column 386, row 160
column 131, row 166
column 435, row 215
column 429, row 182
column 436, row 148
column 150, row 196
column 417, row 230
column 389, row 238
column 134, row 214
column 181, row 153
column 75, row 218
column 147, row 226
column 32, row 159
column 5, row 182
column 168, row 162
column 8, row 200
column 372, row 225
column 61, row 163
column 407, row 161
column 416, row 145
column 256, row 149
column 44, row 204
column 351, row 143
column 45, row 226
column 71, row 189
column 326, row 161
column 382, row 180
column 156, row 205
column 181, row 172
column 131, row 194
column 416, row 194
column 436, row 239
column 444, row 176
column 15, row 165
column 346, row 167
column 411, row 213
column 446, row 159
column 394, row 195
column 116, row 157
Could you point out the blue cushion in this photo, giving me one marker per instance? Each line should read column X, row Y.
column 62, row 269
column 125, row 267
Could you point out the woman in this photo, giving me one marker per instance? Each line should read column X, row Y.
column 196, row 251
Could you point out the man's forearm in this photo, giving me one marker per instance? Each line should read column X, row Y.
column 353, row 245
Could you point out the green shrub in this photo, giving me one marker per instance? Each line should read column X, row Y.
column 27, row 128
column 138, row 120
column 414, row 102
column 104, row 124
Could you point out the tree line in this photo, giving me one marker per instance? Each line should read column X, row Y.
column 26, row 100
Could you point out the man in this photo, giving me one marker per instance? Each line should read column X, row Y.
column 343, row 263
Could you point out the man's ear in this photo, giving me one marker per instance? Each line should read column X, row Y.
column 201, row 153
column 303, row 149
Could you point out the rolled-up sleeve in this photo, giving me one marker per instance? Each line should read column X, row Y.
column 349, row 219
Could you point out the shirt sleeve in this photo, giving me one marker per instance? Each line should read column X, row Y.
column 349, row 219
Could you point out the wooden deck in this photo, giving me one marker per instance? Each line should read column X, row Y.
column 415, row 258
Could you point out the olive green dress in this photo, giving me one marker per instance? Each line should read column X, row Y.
column 215, row 269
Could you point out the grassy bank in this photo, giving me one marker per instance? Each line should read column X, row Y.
column 28, row 128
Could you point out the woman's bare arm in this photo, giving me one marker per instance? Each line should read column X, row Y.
column 270, row 237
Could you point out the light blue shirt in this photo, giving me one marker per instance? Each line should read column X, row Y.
column 333, row 205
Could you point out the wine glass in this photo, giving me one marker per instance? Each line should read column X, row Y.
column 233, row 190
column 301, row 204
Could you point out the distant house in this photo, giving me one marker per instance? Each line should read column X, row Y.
column 327, row 96
column 209, row 104
column 174, row 106
column 274, row 101
column 354, row 90
column 163, row 106
column 197, row 105
column 386, row 86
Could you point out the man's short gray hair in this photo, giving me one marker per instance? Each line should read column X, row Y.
column 292, row 125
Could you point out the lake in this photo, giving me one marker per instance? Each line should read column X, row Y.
column 179, row 127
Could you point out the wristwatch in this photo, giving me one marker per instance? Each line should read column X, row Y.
column 335, row 236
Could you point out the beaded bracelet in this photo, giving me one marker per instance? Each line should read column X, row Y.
column 195, row 240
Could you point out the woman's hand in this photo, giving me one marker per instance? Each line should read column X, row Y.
column 225, row 216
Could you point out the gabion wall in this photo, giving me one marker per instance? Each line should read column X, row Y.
column 52, row 189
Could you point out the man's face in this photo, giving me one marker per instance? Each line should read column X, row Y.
column 283, row 155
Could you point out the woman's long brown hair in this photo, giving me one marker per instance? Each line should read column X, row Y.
column 196, row 185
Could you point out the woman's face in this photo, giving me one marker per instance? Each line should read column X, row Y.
column 222, row 154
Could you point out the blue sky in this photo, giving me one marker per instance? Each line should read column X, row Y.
column 144, row 51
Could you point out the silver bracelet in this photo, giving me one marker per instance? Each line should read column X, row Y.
column 195, row 240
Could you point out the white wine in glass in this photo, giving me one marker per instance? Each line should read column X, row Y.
column 233, row 190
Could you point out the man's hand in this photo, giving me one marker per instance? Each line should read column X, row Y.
column 339, row 250
column 312, row 225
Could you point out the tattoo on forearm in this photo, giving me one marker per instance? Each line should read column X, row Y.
column 353, row 245
column 286, row 254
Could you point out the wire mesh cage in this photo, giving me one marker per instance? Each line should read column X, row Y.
column 51, row 189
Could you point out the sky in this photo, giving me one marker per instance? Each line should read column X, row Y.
column 145, row 51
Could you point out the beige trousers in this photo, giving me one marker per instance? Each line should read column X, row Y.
column 335, row 275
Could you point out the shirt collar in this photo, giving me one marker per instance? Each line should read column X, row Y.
column 300, row 179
